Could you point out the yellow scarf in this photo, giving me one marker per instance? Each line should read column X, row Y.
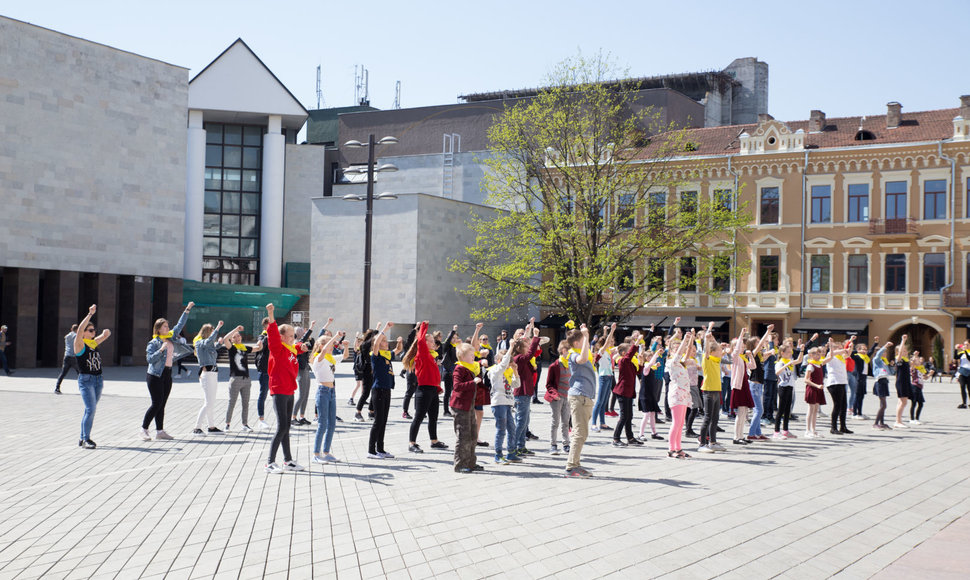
column 864, row 357
column 330, row 359
column 434, row 353
column 744, row 358
column 786, row 362
column 921, row 369
column 165, row 336
column 240, row 347
column 841, row 358
column 290, row 347
column 195, row 341
column 816, row 363
column 91, row 343
column 474, row 367
column 564, row 362
column 884, row 360
column 532, row 361
column 509, row 373
column 636, row 361
column 904, row 359
column 484, row 345
column 716, row 359
column 386, row 354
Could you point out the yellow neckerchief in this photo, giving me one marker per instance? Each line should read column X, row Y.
column 786, row 362
column 385, row 353
column 921, row 369
column 816, row 363
column 195, row 341
column 508, row 374
column 716, row 359
column 91, row 343
column 636, row 361
column 570, row 325
column 589, row 359
column 904, row 359
column 165, row 336
column 532, row 361
column 434, row 353
column 485, row 345
column 564, row 362
column 655, row 366
column 289, row 347
column 330, row 358
column 744, row 358
column 474, row 367
column 864, row 357
column 240, row 347
column 263, row 333
column 884, row 360
column 455, row 344
column 841, row 358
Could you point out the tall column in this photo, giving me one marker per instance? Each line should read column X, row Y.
column 21, row 294
column 271, row 220
column 194, row 198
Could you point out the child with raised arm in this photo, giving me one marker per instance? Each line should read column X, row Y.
column 323, row 363
column 466, row 381
column 282, row 368
column 678, row 394
column 919, row 374
column 380, row 393
column 904, row 387
column 711, row 392
column 648, row 401
column 504, row 380
column 582, row 390
column 743, row 363
column 625, row 389
column 421, row 358
column 557, row 395
column 90, row 382
column 880, row 367
column 605, row 378
column 785, row 371
column 522, row 354
column 814, row 389
column 239, row 382
column 205, row 350
column 836, row 378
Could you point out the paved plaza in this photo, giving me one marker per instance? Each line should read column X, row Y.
column 883, row 504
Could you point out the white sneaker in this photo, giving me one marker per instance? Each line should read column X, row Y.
column 273, row 468
column 293, row 466
column 915, row 422
column 374, row 456
column 809, row 435
column 318, row 459
column 899, row 426
column 817, row 435
column 262, row 425
column 227, row 428
column 145, row 436
column 330, row 458
column 704, row 449
column 594, row 428
column 385, row 455
column 717, row 447
column 247, row 428
column 161, row 435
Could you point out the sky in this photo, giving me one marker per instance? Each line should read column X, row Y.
column 843, row 57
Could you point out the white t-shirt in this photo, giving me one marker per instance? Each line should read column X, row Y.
column 322, row 370
column 835, row 372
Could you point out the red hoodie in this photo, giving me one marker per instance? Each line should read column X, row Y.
column 283, row 366
column 527, row 374
column 425, row 367
column 464, row 389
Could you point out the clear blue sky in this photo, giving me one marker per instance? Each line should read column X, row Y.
column 844, row 57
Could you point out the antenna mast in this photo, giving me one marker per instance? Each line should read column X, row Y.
column 361, row 81
column 397, row 95
column 319, row 89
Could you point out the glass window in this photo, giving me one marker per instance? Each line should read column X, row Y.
column 934, row 199
column 231, row 179
column 722, row 278
column 213, row 155
column 210, row 246
column 212, row 202
column 230, row 225
column 253, row 136
column 688, row 275
column 230, row 247
column 230, row 202
column 233, row 135
column 688, row 207
column 251, row 157
column 247, row 248
column 769, row 205
column 213, row 178
column 247, row 226
column 232, row 156
column 768, row 273
column 250, row 203
column 724, row 198
column 934, row 272
column 250, row 181
column 213, row 133
column 211, row 224
column 821, row 274
column 657, row 205
column 821, row 204
column 626, row 211
column 626, row 279
column 655, row 275
column 859, row 202
column 858, row 273
column 895, row 200
column 895, row 273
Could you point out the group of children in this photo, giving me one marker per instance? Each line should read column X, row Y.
column 682, row 374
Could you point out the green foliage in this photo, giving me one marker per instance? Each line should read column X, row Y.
column 584, row 173
column 938, row 353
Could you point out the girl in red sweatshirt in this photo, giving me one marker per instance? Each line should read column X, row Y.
column 466, row 381
column 283, row 369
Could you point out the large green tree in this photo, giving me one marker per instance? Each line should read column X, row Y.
column 584, row 172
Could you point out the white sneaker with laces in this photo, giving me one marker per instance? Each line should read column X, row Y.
column 247, row 428
column 273, row 468
column 385, row 455
column 293, row 466
column 717, row 447
column 145, row 435
column 161, row 435
column 262, row 425
column 915, row 422
column 318, row 459
column 374, row 456
column 704, row 449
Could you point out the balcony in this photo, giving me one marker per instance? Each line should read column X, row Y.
column 956, row 299
column 904, row 228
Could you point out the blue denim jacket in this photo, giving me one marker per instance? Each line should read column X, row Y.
column 879, row 368
column 205, row 350
column 156, row 354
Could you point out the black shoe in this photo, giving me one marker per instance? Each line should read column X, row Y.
column 415, row 448
column 439, row 445
column 657, row 437
column 447, row 414
column 536, row 402
column 57, row 390
column 845, row 431
column 370, row 415
column 793, row 417
column 961, row 406
column 406, row 415
column 530, row 435
column 634, row 441
column 618, row 443
column 215, row 430
column 339, row 420
column 197, row 431
column 660, row 421
column 478, row 468
column 719, row 430
column 80, row 442
column 835, row 432
column 88, row 444
column 303, row 421
column 482, row 444
column 692, row 434
column 294, row 422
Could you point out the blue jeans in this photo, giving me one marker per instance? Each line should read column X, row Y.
column 726, row 395
column 523, row 404
column 853, row 383
column 90, row 387
column 757, row 393
column 326, row 417
column 503, row 428
column 602, row 398
column 263, row 391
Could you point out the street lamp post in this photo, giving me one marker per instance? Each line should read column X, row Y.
column 369, row 215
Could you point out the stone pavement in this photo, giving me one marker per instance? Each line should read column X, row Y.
column 854, row 506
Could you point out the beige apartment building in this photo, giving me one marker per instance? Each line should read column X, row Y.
column 860, row 225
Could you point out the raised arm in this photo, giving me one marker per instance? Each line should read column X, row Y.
column 177, row 329
column 763, row 341
column 476, row 344
column 709, row 341
column 682, row 347
column 673, row 327
column 606, row 343
column 739, row 343
column 79, row 339
column 584, row 351
column 374, row 342
column 653, row 359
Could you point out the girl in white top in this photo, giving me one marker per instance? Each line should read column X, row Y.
column 323, row 364
column 504, row 379
column 678, row 394
column 836, row 379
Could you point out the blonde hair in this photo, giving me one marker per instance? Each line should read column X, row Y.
column 205, row 331
column 464, row 348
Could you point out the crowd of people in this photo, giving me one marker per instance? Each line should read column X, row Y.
column 673, row 377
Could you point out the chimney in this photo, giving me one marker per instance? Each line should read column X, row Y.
column 816, row 121
column 763, row 117
column 965, row 106
column 893, row 114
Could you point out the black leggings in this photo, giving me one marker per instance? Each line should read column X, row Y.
column 425, row 403
column 381, row 398
column 881, row 414
column 284, row 410
column 70, row 362
column 915, row 408
column 412, row 381
column 691, row 416
column 159, row 388
column 626, row 419
column 785, row 395
column 613, row 402
column 365, row 395
column 712, row 404
column 964, row 386
column 838, row 406
column 449, row 383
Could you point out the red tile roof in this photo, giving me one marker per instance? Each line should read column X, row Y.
column 838, row 132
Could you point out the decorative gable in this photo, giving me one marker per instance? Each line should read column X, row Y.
column 772, row 136
column 961, row 129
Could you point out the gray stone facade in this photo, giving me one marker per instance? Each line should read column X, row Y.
column 416, row 237
column 92, row 156
column 302, row 182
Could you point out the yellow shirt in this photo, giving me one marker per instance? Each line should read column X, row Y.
column 712, row 374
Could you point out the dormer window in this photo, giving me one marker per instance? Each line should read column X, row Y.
column 864, row 135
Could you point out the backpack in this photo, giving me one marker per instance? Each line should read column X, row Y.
column 361, row 364
column 262, row 357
